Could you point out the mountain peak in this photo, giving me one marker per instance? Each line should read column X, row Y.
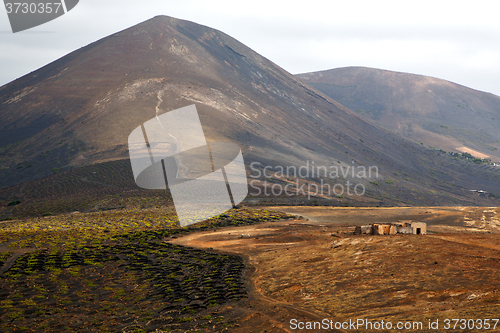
column 159, row 22
column 81, row 108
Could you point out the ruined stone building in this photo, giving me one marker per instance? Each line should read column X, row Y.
column 406, row 227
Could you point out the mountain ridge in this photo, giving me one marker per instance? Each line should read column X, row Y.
column 79, row 110
column 424, row 109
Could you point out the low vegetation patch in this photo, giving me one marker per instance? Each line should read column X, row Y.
column 113, row 271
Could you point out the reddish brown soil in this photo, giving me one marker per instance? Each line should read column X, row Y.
column 310, row 270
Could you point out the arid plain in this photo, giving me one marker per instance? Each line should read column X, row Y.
column 315, row 268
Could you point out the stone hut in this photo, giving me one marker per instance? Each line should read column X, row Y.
column 419, row 228
column 409, row 228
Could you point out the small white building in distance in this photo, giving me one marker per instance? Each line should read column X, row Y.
column 406, row 227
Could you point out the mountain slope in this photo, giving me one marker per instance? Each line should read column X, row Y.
column 90, row 100
column 436, row 112
column 80, row 109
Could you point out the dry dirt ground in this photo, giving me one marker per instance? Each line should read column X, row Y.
column 314, row 268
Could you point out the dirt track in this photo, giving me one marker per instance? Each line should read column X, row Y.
column 251, row 241
column 297, row 271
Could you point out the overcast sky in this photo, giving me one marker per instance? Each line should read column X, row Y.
column 454, row 40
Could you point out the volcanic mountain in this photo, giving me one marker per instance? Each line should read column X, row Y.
column 80, row 109
column 435, row 112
